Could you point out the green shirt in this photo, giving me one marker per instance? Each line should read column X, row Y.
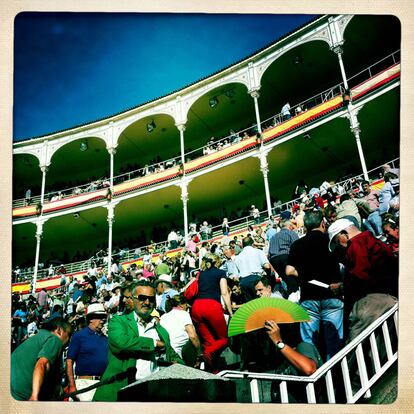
column 23, row 360
column 162, row 269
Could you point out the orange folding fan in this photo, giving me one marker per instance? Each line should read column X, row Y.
column 252, row 315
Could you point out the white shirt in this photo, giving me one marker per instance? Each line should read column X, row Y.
column 147, row 366
column 286, row 109
column 250, row 261
column 175, row 322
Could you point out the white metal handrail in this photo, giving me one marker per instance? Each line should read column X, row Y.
column 358, row 77
column 352, row 355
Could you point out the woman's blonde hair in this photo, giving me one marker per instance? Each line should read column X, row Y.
column 210, row 260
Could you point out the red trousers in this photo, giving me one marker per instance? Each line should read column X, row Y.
column 208, row 318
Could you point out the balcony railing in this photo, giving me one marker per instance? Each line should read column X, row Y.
column 241, row 223
column 229, row 140
column 351, row 372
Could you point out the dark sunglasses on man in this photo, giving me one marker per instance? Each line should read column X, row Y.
column 144, row 298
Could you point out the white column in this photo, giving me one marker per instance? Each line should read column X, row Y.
column 112, row 152
column 338, row 50
column 184, row 198
column 181, row 128
column 255, row 95
column 337, row 40
column 264, row 168
column 111, row 219
column 43, row 168
column 39, row 232
column 352, row 116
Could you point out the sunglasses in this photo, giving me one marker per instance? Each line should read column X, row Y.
column 144, row 298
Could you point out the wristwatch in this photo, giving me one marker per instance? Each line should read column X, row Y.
column 280, row 345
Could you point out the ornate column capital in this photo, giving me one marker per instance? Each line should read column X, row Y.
column 351, row 114
column 254, row 93
column 262, row 155
column 44, row 168
column 337, row 49
column 180, row 127
column 112, row 150
column 39, row 228
column 184, row 188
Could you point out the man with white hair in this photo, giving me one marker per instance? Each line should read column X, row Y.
column 163, row 287
column 370, row 284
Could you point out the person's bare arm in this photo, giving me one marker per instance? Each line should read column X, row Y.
column 226, row 295
column 291, row 271
column 192, row 335
column 266, row 266
column 41, row 369
column 71, row 376
column 302, row 363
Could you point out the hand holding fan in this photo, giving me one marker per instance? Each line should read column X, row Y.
column 252, row 315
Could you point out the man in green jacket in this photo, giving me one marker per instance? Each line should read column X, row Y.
column 136, row 340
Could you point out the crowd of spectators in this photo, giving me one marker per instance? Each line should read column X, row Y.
column 322, row 241
column 305, row 197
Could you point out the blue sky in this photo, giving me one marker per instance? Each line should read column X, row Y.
column 74, row 68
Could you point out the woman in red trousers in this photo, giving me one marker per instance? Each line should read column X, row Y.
column 207, row 311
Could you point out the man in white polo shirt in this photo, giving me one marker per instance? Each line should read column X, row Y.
column 250, row 262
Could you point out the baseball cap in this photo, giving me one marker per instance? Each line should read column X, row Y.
column 335, row 228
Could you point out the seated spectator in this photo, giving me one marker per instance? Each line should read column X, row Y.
column 205, row 231
column 392, row 232
column 264, row 289
column 237, row 298
column 386, row 194
column 259, row 241
column 394, row 176
column 204, row 249
column 330, row 213
column 348, row 209
column 235, row 247
column 115, row 299
column 148, row 271
column 373, row 221
column 298, row 359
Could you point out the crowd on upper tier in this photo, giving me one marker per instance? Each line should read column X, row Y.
column 143, row 243
column 335, row 256
column 61, row 189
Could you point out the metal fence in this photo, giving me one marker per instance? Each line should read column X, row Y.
column 235, row 225
column 349, row 374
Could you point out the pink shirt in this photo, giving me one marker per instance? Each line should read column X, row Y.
column 192, row 246
column 372, row 200
column 42, row 298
